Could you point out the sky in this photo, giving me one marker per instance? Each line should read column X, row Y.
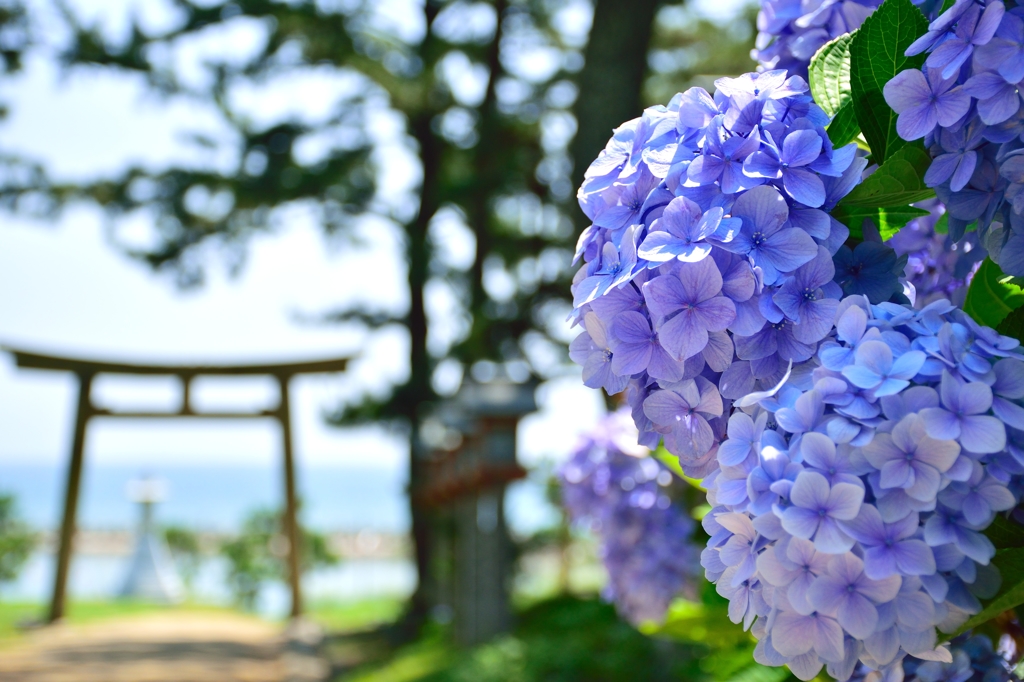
column 65, row 289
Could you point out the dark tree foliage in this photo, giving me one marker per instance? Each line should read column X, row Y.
column 14, row 42
column 13, row 35
column 687, row 50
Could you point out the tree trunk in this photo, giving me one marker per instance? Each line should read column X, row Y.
column 419, row 391
column 478, row 207
column 612, row 77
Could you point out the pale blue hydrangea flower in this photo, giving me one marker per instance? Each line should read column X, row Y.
column 864, row 525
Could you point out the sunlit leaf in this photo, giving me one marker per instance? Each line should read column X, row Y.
column 992, row 295
column 899, row 181
column 876, row 55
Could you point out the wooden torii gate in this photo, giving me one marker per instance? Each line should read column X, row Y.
column 86, row 371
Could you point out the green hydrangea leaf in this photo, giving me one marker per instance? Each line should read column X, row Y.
column 888, row 219
column 992, row 295
column 1013, row 326
column 829, row 74
column 829, row 78
column 876, row 55
column 844, row 128
column 1010, row 563
column 899, row 181
column 1005, row 533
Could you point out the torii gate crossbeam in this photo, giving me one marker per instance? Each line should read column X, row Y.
column 86, row 371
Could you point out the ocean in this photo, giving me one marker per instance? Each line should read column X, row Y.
column 213, row 497
column 218, row 498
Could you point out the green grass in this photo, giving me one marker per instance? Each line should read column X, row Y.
column 411, row 663
column 565, row 639
column 338, row 616
column 13, row 613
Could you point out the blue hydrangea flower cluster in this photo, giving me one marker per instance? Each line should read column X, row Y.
column 850, row 502
column 965, row 103
column 709, row 265
column 791, row 31
column 937, row 267
column 623, row 495
column 974, row 659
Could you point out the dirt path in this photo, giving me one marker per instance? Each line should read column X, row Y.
column 166, row 647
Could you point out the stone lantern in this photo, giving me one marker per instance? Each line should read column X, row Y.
column 466, row 487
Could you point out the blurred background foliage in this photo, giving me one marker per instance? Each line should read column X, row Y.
column 258, row 554
column 576, row 638
column 187, row 554
column 16, row 540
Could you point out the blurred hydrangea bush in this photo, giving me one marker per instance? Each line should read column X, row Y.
column 610, row 486
column 775, row 283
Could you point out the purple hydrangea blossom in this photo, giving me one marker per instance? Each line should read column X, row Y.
column 966, row 104
column 788, row 161
column 683, row 414
column 875, row 369
column 964, row 415
column 773, row 248
column 816, row 508
column 851, row 479
column 924, row 100
column 791, row 31
column 973, row 659
column 637, row 349
column 625, row 498
column 709, row 266
column 937, row 266
column 687, row 305
column 681, row 233
column 890, row 548
column 592, row 349
column 869, row 269
column 803, row 300
column 850, row 596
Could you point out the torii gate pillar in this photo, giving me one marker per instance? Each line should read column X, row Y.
column 74, row 481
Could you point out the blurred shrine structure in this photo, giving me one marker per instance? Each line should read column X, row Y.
column 88, row 370
column 464, row 490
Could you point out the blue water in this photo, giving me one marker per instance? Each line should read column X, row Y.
column 218, row 497
column 214, row 497
column 100, row 577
